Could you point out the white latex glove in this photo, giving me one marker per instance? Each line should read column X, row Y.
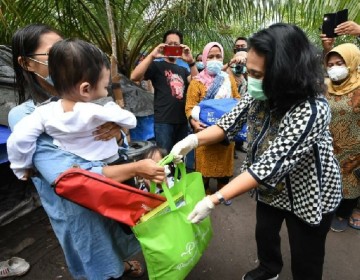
column 184, row 146
column 195, row 113
column 201, row 211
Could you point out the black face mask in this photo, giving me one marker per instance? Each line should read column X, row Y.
column 240, row 50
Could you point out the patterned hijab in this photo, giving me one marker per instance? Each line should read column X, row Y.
column 351, row 55
column 204, row 76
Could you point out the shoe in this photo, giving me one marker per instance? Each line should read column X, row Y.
column 135, row 269
column 13, row 267
column 227, row 202
column 259, row 274
column 339, row 224
column 240, row 147
column 355, row 222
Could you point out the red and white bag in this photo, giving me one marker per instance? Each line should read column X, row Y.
column 105, row 196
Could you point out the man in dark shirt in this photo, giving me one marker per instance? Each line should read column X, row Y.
column 170, row 82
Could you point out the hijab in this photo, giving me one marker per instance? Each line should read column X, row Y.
column 204, row 76
column 351, row 55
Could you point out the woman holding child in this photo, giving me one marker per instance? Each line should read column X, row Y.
column 94, row 247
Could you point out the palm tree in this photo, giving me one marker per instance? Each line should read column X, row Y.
column 139, row 24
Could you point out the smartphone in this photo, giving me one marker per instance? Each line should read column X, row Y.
column 328, row 26
column 341, row 16
column 331, row 20
column 173, row 51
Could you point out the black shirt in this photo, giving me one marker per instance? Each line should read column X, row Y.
column 170, row 84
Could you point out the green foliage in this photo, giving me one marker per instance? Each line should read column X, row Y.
column 139, row 24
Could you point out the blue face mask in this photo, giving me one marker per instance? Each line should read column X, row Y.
column 214, row 67
column 200, row 66
column 255, row 89
column 46, row 79
column 49, row 80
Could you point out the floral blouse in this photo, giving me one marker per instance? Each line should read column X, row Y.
column 345, row 129
column 291, row 156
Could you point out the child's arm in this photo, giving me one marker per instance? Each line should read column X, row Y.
column 122, row 117
column 21, row 144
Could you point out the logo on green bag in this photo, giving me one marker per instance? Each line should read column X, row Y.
column 192, row 248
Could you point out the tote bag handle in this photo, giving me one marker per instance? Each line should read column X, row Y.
column 179, row 167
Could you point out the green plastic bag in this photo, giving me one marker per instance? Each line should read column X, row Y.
column 172, row 245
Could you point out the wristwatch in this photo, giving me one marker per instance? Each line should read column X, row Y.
column 192, row 64
column 220, row 197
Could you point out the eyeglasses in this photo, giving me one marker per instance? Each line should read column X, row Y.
column 35, row 54
column 38, row 61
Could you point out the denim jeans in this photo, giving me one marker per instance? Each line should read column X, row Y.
column 167, row 135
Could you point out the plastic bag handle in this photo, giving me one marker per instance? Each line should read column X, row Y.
column 179, row 167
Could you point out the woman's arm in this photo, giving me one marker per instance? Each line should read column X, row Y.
column 146, row 168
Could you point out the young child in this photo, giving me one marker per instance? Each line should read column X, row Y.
column 156, row 154
column 81, row 73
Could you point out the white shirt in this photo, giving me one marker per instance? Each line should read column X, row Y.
column 72, row 131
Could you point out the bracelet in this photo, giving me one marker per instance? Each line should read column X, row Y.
column 192, row 64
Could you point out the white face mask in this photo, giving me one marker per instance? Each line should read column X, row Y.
column 338, row 73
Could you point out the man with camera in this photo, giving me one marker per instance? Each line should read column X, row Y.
column 170, row 82
column 237, row 68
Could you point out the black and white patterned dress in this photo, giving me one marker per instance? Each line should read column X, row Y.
column 291, row 156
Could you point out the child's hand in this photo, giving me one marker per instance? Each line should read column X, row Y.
column 28, row 173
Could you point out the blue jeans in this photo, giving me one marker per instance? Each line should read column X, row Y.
column 167, row 135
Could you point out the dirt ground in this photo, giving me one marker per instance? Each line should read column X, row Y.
column 231, row 253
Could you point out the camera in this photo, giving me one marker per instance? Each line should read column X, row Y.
column 238, row 68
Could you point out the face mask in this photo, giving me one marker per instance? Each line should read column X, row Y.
column 255, row 89
column 199, row 65
column 214, row 67
column 236, row 50
column 338, row 73
column 46, row 79
column 49, row 80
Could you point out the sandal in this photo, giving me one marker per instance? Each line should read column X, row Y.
column 135, row 269
column 338, row 224
column 13, row 267
column 355, row 222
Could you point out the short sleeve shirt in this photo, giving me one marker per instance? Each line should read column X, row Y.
column 170, row 85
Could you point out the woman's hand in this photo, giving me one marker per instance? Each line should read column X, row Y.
column 150, row 170
column 202, row 210
column 107, row 131
column 197, row 125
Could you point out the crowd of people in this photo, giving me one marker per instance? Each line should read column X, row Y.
column 303, row 139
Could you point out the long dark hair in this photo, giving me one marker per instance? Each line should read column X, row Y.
column 292, row 70
column 25, row 41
